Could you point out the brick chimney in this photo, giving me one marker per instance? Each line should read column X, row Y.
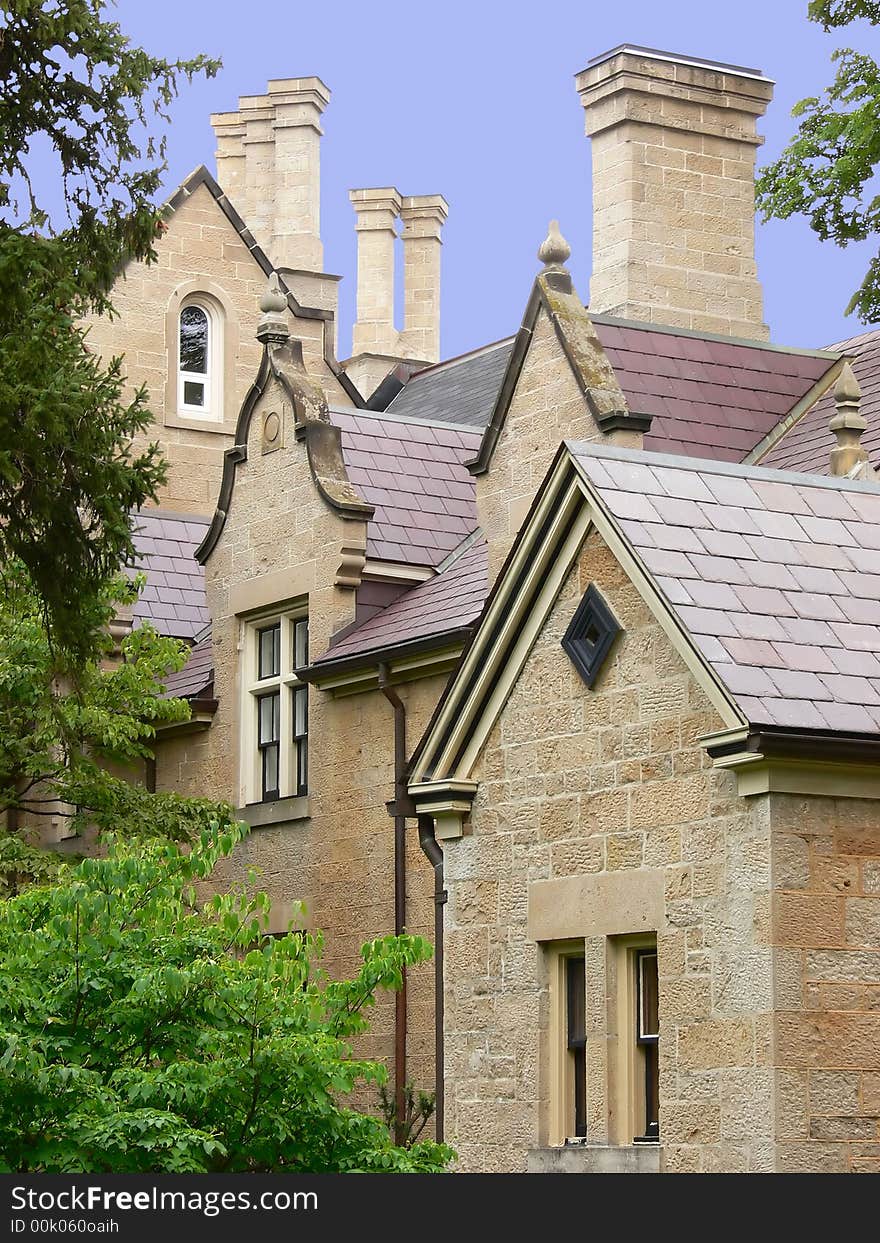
column 674, row 143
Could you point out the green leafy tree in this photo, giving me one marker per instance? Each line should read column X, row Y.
column 142, row 1033
column 66, row 745
column 75, row 91
column 827, row 173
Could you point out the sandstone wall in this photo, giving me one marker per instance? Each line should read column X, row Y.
column 200, row 253
column 586, row 784
column 826, row 925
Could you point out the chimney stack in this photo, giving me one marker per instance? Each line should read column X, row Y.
column 377, row 211
column 268, row 162
column 674, row 143
column 423, row 217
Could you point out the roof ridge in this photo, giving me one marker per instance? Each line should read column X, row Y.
column 613, row 321
column 409, row 420
column 459, row 358
column 588, row 448
column 460, row 549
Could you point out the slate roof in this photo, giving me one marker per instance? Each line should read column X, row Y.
column 775, row 574
column 709, row 397
column 807, row 445
column 461, row 390
column 414, row 473
column 451, row 601
column 196, row 679
column 173, row 599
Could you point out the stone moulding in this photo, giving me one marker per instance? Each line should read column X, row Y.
column 282, row 361
column 583, row 350
column 201, row 177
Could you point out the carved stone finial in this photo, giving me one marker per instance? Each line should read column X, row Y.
column 273, row 326
column 273, row 299
column 554, row 251
column 847, row 423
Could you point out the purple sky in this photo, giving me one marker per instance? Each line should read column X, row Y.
column 476, row 101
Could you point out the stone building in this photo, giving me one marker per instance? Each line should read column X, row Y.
column 565, row 652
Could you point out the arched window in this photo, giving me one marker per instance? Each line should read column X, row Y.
column 199, row 360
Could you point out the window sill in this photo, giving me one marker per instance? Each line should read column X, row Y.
column 281, row 811
column 595, row 1159
column 199, row 423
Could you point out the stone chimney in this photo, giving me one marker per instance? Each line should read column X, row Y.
column 674, row 144
column 423, row 217
column 377, row 211
column 268, row 162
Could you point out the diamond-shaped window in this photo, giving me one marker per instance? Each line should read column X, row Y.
column 589, row 637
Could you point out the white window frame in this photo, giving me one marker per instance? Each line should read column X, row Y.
column 212, row 378
column 286, row 684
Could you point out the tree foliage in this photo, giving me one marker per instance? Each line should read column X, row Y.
column 66, row 744
column 140, row 1032
column 73, row 85
column 827, row 172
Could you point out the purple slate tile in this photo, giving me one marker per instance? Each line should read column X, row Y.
column 661, row 561
column 849, row 689
column 728, row 490
column 720, row 569
column 758, row 626
column 814, row 606
column 860, row 610
column 631, row 505
column 765, row 600
column 808, row 631
column 794, row 713
column 753, row 652
column 825, row 530
column 848, row 718
column 747, row 680
column 804, row 656
column 855, row 637
column 674, row 590
column 725, row 544
column 713, row 595
column 706, row 621
column 777, row 551
column 778, row 525
column 863, row 534
column 730, row 518
column 676, row 512
column 769, row 574
column 713, row 650
column 800, row 684
column 676, row 539
column 859, row 664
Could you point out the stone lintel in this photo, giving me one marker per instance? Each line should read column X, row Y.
column 604, row 904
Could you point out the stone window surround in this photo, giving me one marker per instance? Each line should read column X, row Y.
column 222, row 355
column 612, row 915
column 287, row 807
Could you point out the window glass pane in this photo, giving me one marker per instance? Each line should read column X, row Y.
column 576, row 1024
column 301, row 643
column 193, row 393
column 649, row 1016
column 268, row 706
column 270, row 772
column 302, row 766
column 300, row 711
column 194, row 340
column 269, row 651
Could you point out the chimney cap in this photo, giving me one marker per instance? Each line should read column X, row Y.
column 677, row 58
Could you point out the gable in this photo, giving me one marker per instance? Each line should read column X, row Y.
column 564, row 513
